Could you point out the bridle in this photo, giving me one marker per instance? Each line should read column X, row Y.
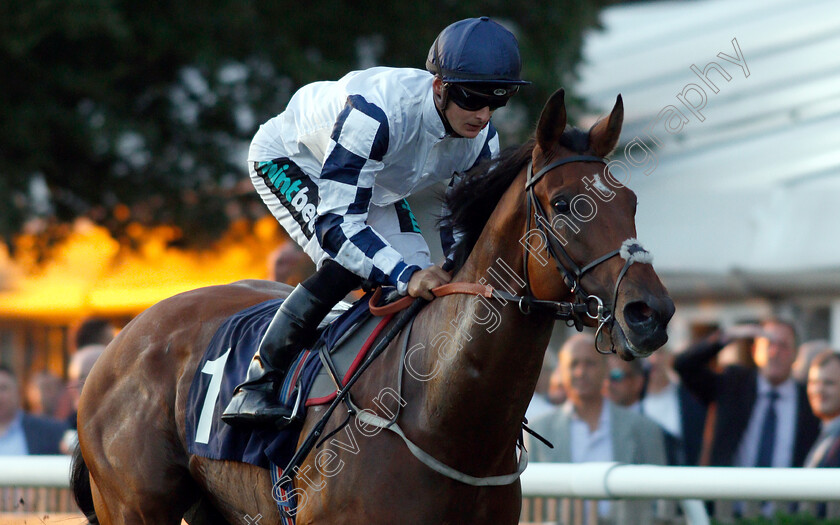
column 573, row 313
column 586, row 304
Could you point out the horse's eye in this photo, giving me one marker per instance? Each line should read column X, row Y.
column 560, row 206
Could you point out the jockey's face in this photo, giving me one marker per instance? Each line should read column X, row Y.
column 466, row 123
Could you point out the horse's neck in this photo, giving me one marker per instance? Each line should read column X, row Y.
column 494, row 351
column 483, row 357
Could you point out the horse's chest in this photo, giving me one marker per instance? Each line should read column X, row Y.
column 389, row 487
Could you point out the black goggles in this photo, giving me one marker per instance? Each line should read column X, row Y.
column 492, row 97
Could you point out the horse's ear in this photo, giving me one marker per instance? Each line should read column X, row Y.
column 604, row 134
column 552, row 122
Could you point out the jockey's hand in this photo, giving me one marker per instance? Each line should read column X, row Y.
column 422, row 282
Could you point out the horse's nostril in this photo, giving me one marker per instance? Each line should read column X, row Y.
column 639, row 313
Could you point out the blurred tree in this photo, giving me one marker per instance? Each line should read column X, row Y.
column 141, row 112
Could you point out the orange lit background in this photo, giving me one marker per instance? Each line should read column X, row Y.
column 89, row 273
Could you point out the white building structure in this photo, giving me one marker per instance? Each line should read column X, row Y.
column 732, row 143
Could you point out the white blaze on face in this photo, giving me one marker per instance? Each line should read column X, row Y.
column 600, row 184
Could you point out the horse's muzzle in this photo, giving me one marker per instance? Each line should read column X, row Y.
column 644, row 324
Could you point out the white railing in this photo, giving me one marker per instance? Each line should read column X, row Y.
column 690, row 485
column 617, row 480
column 583, row 481
column 35, row 471
column 34, row 486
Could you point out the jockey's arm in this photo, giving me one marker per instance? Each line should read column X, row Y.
column 354, row 157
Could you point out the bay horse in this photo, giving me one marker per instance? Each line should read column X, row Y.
column 468, row 376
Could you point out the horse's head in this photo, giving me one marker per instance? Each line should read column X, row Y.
column 586, row 220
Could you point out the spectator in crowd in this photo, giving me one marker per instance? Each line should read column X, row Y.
column 80, row 366
column 680, row 415
column 626, row 382
column 44, row 395
column 91, row 338
column 762, row 417
column 94, row 331
column 804, row 355
column 556, row 393
column 540, row 403
column 289, row 264
column 737, row 352
column 824, row 396
column 588, row 427
column 22, row 433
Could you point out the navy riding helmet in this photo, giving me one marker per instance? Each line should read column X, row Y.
column 476, row 51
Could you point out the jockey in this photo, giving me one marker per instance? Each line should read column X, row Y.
column 335, row 167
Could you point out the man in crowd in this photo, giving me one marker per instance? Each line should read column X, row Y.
column 556, row 393
column 80, row 366
column 21, row 433
column 588, row 427
column 44, row 394
column 94, row 331
column 289, row 264
column 762, row 417
column 681, row 416
column 540, row 403
column 626, row 382
column 92, row 337
column 805, row 355
column 824, row 396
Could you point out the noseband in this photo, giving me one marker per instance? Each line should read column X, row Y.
column 590, row 305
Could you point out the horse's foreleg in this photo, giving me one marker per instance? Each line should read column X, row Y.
column 113, row 510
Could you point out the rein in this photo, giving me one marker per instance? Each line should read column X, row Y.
column 560, row 309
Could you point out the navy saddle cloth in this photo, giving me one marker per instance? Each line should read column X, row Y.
column 224, row 366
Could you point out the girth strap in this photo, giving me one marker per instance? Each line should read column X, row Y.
column 369, row 418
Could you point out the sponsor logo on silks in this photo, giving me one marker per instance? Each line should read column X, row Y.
column 295, row 189
column 408, row 222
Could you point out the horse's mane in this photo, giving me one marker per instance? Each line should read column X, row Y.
column 472, row 199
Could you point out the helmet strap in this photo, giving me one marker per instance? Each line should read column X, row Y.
column 441, row 109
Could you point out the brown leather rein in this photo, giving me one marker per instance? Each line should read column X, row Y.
column 559, row 309
column 440, row 291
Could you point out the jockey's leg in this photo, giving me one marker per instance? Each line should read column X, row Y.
column 293, row 328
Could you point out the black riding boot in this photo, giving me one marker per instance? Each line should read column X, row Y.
column 294, row 326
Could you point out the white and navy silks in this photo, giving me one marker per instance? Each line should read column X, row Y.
column 335, row 166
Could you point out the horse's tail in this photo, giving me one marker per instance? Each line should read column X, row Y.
column 80, row 482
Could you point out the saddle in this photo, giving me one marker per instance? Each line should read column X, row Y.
column 317, row 373
column 346, row 333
